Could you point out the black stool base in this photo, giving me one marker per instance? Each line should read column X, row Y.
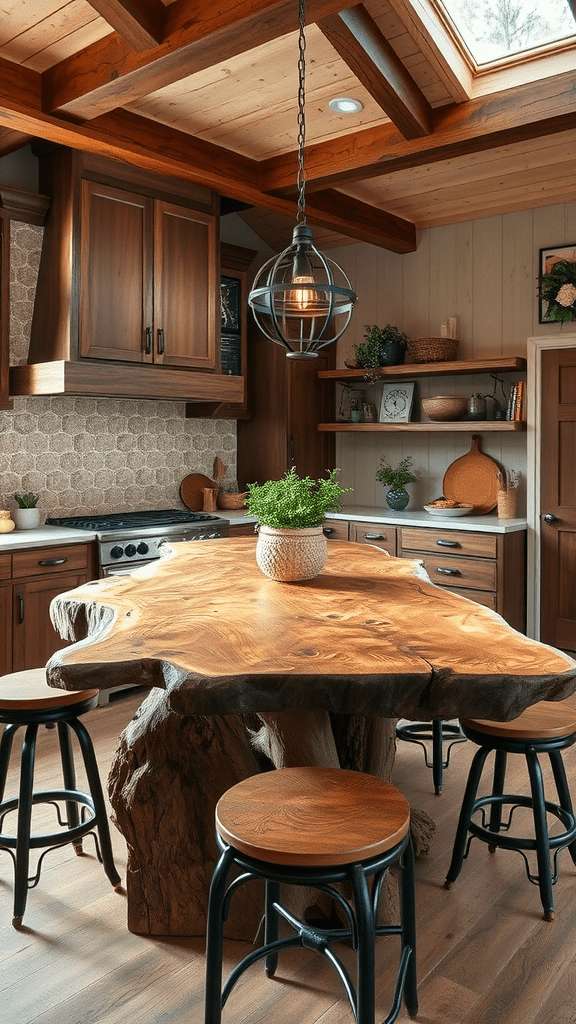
column 360, row 930
column 493, row 826
column 439, row 733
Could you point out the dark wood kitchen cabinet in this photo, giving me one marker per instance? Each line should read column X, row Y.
column 37, row 576
column 286, row 401
column 127, row 302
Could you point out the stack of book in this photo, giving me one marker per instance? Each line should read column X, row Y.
column 516, row 401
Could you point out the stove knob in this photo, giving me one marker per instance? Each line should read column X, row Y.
column 130, row 550
column 116, row 552
column 142, row 548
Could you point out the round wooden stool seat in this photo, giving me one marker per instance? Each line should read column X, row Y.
column 313, row 816
column 28, row 690
column 318, row 828
column 545, row 720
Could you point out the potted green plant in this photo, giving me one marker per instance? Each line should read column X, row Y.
column 26, row 515
column 291, row 545
column 382, row 346
column 397, row 497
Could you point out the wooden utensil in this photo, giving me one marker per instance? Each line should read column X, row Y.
column 218, row 470
column 473, row 480
column 192, row 490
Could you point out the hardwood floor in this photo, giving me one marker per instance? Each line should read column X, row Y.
column 485, row 954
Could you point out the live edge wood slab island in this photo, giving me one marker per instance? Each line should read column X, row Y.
column 247, row 674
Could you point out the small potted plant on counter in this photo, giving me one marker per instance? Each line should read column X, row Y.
column 291, row 545
column 397, row 497
column 27, row 515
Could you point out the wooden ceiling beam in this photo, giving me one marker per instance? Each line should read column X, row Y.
column 10, row 141
column 108, row 74
column 529, row 111
column 139, row 141
column 359, row 42
column 140, row 23
column 439, row 46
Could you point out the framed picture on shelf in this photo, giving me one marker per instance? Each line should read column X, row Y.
column 557, row 301
column 396, row 402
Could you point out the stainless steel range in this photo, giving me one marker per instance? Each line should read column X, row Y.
column 127, row 540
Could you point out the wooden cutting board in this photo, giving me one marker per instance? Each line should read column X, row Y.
column 473, row 480
column 192, row 490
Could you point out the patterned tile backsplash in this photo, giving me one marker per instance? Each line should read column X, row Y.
column 85, row 455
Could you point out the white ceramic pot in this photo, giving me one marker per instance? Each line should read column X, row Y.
column 26, row 518
column 291, row 555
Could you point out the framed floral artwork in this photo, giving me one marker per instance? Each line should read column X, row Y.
column 557, row 285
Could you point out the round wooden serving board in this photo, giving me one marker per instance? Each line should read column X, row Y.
column 473, row 480
column 192, row 490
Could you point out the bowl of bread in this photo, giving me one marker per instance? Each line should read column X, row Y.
column 448, row 507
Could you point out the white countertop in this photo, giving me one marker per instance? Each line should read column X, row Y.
column 43, row 536
column 412, row 517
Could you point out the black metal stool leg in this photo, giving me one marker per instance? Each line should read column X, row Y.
column 472, row 784
column 365, row 959
column 562, row 789
column 24, row 824
column 500, row 761
column 215, row 939
column 408, row 918
column 437, row 755
column 97, row 795
column 541, row 832
column 271, row 925
column 69, row 776
column 6, row 742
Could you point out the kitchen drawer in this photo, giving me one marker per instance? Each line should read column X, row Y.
column 5, row 567
column 448, row 571
column 336, row 529
column 374, row 533
column 41, row 561
column 477, row 545
column 479, row 596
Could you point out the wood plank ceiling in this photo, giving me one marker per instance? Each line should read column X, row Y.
column 206, row 92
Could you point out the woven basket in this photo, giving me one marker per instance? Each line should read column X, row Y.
column 431, row 350
column 232, row 500
column 290, row 555
column 507, row 504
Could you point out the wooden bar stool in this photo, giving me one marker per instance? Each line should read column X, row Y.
column 27, row 700
column 545, row 728
column 438, row 732
column 315, row 827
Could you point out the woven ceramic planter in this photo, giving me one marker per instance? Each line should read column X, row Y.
column 291, row 555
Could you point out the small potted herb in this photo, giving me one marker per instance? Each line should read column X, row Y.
column 382, row 346
column 291, row 545
column 26, row 515
column 397, row 497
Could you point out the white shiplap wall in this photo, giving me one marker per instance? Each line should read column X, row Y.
column 485, row 273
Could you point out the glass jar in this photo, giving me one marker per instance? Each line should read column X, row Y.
column 476, row 407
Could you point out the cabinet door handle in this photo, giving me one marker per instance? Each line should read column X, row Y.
column 160, row 342
column 292, row 448
column 52, row 561
column 374, row 536
column 328, row 530
column 447, row 572
column 148, row 348
column 20, row 598
column 448, row 543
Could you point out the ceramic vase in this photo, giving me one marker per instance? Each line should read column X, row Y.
column 291, row 555
column 397, row 499
column 26, row 518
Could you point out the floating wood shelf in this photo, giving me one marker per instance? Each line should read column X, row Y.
column 469, row 426
column 508, row 364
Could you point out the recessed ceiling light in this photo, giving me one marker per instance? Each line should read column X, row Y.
column 345, row 105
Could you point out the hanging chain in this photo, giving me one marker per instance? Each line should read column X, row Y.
column 301, row 180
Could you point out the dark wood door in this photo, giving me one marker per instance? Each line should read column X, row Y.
column 186, row 287
column 558, row 499
column 34, row 637
column 116, row 274
column 5, row 628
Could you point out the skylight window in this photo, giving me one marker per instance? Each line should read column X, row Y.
column 495, row 29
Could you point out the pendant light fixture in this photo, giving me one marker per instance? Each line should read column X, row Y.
column 301, row 299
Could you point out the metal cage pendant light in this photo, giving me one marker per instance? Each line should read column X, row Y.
column 301, row 299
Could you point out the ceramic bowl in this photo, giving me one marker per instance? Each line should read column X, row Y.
column 445, row 407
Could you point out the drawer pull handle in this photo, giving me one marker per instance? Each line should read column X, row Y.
column 328, row 530
column 448, row 543
column 447, row 572
column 52, row 561
column 374, row 536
